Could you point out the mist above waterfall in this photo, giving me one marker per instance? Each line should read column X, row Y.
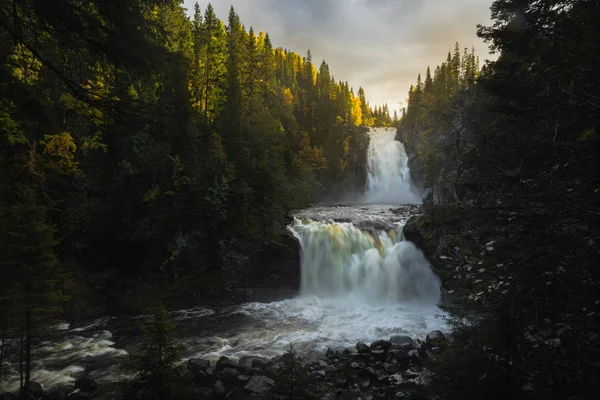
column 388, row 180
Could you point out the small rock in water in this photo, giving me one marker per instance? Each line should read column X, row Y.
column 414, row 355
column 361, row 347
column 323, row 364
column 402, row 342
column 381, row 345
column 378, row 354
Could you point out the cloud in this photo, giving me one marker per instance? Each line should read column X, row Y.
column 380, row 45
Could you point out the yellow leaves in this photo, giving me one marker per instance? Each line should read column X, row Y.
column 288, row 98
column 356, row 117
column 94, row 143
column 61, row 148
column 25, row 66
column 313, row 158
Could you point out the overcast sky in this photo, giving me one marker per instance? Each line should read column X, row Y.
column 380, row 45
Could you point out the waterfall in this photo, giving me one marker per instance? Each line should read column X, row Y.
column 388, row 179
column 341, row 261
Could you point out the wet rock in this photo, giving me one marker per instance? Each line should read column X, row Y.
column 378, row 355
column 261, row 363
column 356, row 396
column 228, row 376
column 436, row 350
column 396, row 379
column 323, row 364
column 218, row 390
column 196, row 364
column 382, row 376
column 389, row 368
column 54, row 394
column 202, row 379
column 314, row 356
column 226, row 362
column 417, row 344
column 401, row 357
column 362, row 347
column 209, row 372
column 35, row 390
column 401, row 342
column 435, row 336
column 8, row 396
column 86, row 384
column 246, row 362
column 259, row 384
column 331, row 369
column 364, row 382
column 414, row 355
column 237, row 394
column 78, row 395
column 381, row 345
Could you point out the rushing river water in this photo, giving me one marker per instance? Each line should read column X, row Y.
column 360, row 281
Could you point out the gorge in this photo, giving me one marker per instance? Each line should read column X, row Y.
column 360, row 281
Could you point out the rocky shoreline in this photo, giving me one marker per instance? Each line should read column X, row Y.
column 384, row 369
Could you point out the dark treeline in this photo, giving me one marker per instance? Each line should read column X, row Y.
column 129, row 131
column 511, row 156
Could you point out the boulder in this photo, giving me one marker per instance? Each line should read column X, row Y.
column 218, row 390
column 414, row 355
column 361, row 347
column 399, row 356
column 381, row 345
column 35, row 390
column 226, row 362
column 196, row 364
column 228, row 376
column 396, row 379
column 378, row 355
column 86, row 383
column 202, row 379
column 259, row 384
column 237, row 394
column 246, row 362
column 401, row 342
column 435, row 337
column 261, row 363
column 55, row 394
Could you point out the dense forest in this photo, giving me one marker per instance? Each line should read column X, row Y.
column 512, row 221
column 131, row 132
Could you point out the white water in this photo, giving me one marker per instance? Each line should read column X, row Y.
column 388, row 179
column 373, row 267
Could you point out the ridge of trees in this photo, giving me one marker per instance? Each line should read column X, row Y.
column 134, row 139
column 512, row 161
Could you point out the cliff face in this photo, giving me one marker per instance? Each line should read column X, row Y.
column 417, row 172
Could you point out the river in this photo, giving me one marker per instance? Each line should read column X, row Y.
column 360, row 281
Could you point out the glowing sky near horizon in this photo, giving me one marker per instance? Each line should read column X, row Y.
column 380, row 45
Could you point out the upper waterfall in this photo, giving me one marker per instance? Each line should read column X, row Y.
column 388, row 179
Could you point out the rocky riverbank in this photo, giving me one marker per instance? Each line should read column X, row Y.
column 384, row 369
